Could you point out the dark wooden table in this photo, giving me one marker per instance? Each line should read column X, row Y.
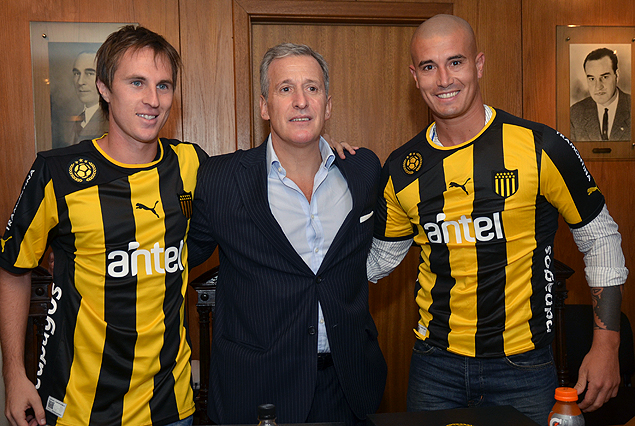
column 480, row 416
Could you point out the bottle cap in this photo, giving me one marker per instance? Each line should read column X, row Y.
column 266, row 412
column 566, row 394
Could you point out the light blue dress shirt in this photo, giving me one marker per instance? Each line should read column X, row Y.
column 309, row 227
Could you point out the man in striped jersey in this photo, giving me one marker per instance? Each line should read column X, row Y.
column 115, row 211
column 480, row 192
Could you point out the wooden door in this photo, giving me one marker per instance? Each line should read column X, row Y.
column 375, row 105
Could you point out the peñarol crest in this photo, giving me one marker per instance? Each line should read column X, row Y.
column 505, row 182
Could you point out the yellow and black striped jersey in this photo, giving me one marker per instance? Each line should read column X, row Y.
column 115, row 349
column 485, row 214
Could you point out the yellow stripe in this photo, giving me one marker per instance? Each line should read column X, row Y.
column 34, row 242
column 519, row 223
column 90, row 331
column 401, row 208
column 150, row 297
column 188, row 161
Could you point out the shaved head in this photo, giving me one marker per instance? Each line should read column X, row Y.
column 443, row 26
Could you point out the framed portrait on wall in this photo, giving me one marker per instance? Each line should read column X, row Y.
column 594, row 80
column 66, row 100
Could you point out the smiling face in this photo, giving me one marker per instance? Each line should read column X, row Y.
column 602, row 80
column 84, row 79
column 140, row 97
column 446, row 69
column 297, row 105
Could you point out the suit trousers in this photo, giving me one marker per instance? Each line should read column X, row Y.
column 329, row 402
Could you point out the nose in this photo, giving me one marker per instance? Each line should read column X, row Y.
column 300, row 100
column 83, row 79
column 443, row 77
column 151, row 97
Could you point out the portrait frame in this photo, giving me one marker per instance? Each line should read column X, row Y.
column 573, row 43
column 54, row 48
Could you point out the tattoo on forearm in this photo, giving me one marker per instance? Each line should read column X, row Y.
column 606, row 307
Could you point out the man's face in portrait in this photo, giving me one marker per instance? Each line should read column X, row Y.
column 84, row 79
column 601, row 80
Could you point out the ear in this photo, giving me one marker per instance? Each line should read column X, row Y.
column 103, row 90
column 413, row 71
column 480, row 62
column 327, row 112
column 264, row 111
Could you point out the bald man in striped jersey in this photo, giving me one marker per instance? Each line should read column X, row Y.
column 480, row 191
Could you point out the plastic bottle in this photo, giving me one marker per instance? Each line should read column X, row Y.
column 566, row 412
column 267, row 415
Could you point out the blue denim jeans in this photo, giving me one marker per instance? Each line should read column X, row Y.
column 185, row 422
column 441, row 380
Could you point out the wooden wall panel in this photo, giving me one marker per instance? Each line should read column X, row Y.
column 208, row 78
column 539, row 104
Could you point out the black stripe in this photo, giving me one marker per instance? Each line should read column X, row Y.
column 120, row 310
column 59, row 349
column 439, row 326
column 491, row 255
column 163, row 405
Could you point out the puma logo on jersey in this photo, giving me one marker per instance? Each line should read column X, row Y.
column 458, row 185
column 152, row 209
column 3, row 242
column 592, row 189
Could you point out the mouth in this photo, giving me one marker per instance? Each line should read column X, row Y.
column 300, row 119
column 448, row 95
column 147, row 116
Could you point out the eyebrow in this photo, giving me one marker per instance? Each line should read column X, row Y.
column 138, row 77
column 85, row 69
column 451, row 58
column 601, row 75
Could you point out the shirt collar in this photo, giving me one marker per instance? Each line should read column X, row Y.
column 328, row 157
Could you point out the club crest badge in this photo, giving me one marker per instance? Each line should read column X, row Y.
column 82, row 170
column 505, row 182
column 186, row 204
column 412, row 163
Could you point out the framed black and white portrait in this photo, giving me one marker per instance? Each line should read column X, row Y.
column 594, row 82
column 66, row 100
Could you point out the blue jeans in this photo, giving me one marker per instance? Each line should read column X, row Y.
column 185, row 422
column 441, row 380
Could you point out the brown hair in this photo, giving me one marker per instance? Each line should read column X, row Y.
column 133, row 38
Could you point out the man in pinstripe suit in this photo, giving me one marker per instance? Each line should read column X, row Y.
column 294, row 225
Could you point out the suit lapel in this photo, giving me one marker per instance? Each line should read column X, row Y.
column 251, row 179
column 355, row 186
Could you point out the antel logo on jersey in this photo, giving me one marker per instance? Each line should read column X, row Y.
column 481, row 228
column 126, row 263
column 82, row 170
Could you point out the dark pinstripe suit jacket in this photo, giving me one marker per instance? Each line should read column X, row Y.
column 265, row 328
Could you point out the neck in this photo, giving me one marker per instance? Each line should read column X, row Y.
column 456, row 130
column 301, row 163
column 126, row 152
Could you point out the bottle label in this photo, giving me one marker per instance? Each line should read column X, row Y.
column 556, row 419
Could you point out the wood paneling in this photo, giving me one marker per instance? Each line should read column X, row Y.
column 539, row 104
column 209, row 116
